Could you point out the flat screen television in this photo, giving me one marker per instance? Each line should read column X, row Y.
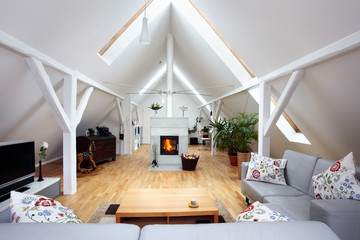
column 17, row 165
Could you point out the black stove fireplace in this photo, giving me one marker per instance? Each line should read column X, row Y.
column 169, row 145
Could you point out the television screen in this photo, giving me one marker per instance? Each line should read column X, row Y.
column 17, row 165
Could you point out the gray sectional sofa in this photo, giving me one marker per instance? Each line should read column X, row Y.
column 231, row 231
column 296, row 200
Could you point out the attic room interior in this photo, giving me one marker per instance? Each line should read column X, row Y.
column 104, row 104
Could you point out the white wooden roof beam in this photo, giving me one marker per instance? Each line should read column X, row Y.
column 283, row 100
column 120, row 111
column 83, row 103
column 48, row 92
column 341, row 46
column 23, row 49
column 218, row 110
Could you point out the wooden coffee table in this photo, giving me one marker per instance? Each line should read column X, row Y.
column 166, row 206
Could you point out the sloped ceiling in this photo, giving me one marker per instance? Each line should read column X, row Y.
column 266, row 34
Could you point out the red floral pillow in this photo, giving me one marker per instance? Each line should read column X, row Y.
column 39, row 209
column 266, row 169
column 258, row 212
column 338, row 182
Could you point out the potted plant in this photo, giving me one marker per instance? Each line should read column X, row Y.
column 246, row 131
column 225, row 139
column 205, row 131
column 234, row 135
column 155, row 107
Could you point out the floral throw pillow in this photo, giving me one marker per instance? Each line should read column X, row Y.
column 266, row 169
column 26, row 208
column 260, row 213
column 338, row 182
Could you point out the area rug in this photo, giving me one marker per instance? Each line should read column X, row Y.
column 100, row 215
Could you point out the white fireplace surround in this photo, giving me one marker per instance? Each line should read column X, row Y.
column 168, row 126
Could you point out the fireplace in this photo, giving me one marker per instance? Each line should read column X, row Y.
column 169, row 145
column 176, row 131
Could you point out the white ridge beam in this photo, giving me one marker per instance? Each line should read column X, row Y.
column 83, row 103
column 283, row 100
column 48, row 92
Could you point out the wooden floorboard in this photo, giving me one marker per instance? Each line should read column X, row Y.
column 111, row 182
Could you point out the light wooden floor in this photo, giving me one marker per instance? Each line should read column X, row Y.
column 213, row 173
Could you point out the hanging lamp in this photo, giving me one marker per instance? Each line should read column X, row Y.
column 145, row 35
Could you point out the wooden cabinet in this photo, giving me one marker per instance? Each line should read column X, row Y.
column 105, row 147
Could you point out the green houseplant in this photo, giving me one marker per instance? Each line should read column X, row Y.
column 246, row 132
column 235, row 134
column 155, row 107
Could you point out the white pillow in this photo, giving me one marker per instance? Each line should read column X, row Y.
column 339, row 181
column 26, row 208
column 266, row 169
column 260, row 213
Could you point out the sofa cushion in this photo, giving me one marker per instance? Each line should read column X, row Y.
column 39, row 209
column 256, row 191
column 257, row 212
column 338, row 181
column 295, row 230
column 341, row 215
column 86, row 231
column 321, row 165
column 266, row 169
column 299, row 169
column 298, row 206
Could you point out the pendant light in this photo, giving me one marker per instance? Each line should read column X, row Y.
column 145, row 35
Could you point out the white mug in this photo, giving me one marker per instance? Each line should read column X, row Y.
column 193, row 202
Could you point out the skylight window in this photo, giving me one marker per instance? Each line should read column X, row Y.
column 212, row 38
column 157, row 76
column 188, row 84
column 130, row 31
column 282, row 123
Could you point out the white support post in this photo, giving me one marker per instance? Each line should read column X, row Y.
column 127, row 125
column 213, row 149
column 83, row 103
column 121, row 125
column 169, row 74
column 48, row 92
column 283, row 100
column 264, row 114
column 69, row 138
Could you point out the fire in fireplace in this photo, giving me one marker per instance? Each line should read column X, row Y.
column 169, row 145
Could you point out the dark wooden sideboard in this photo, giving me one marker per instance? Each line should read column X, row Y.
column 105, row 146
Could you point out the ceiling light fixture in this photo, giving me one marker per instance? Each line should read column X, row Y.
column 145, row 35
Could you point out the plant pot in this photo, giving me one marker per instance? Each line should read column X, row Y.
column 242, row 157
column 233, row 160
column 189, row 164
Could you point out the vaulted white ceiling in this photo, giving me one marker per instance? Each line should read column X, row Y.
column 265, row 34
